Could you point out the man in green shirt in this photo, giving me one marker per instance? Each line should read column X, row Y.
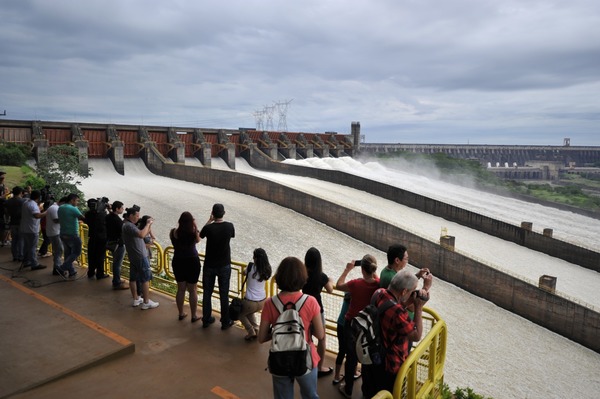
column 69, row 217
column 397, row 256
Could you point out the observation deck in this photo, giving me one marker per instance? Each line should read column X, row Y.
column 79, row 338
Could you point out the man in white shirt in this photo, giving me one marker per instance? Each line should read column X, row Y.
column 53, row 234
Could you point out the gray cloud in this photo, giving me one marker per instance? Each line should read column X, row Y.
column 456, row 71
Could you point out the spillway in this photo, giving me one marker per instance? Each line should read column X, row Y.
column 491, row 350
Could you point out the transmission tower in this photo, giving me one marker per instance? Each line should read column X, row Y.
column 269, row 110
column 259, row 117
column 282, row 108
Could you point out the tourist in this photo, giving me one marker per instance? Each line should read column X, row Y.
column 339, row 359
column 397, row 329
column 95, row 218
column 291, row 275
column 361, row 290
column 317, row 281
column 114, row 243
column 397, row 257
column 186, row 263
column 69, row 216
column 217, row 265
column 257, row 273
column 53, row 233
column 13, row 209
column 30, row 230
column 139, row 271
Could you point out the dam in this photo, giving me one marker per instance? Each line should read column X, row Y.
column 154, row 181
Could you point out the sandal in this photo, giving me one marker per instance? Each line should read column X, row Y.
column 357, row 375
column 182, row 316
column 195, row 319
column 335, row 382
column 250, row 337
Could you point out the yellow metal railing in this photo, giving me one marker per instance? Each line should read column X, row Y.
column 420, row 376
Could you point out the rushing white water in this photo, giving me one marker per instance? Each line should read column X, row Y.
column 489, row 349
column 568, row 226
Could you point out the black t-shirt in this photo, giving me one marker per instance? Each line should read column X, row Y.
column 314, row 285
column 96, row 222
column 218, row 235
column 114, row 227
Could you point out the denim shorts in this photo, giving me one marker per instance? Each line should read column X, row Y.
column 140, row 270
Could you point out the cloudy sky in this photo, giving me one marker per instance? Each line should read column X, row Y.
column 426, row 71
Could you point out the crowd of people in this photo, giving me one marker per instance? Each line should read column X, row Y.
column 120, row 230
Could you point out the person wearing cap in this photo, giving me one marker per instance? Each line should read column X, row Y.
column 217, row 265
column 139, row 271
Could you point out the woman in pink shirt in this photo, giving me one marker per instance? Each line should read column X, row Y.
column 291, row 275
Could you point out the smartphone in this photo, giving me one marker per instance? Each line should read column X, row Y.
column 357, row 262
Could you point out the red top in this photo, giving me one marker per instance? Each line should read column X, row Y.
column 361, row 293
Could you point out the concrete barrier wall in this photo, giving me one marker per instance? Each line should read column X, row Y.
column 529, row 239
column 551, row 311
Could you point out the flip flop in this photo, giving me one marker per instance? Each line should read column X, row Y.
column 335, row 382
column 357, row 375
column 182, row 316
column 322, row 373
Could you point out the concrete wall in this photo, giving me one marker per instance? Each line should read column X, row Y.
column 551, row 311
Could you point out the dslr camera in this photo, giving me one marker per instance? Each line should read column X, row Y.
column 98, row 204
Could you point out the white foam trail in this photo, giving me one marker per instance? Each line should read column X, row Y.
column 489, row 349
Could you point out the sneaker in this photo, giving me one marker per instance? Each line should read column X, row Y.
column 72, row 274
column 149, row 305
column 137, row 302
column 38, row 267
column 47, row 254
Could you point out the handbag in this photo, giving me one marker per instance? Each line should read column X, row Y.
column 235, row 307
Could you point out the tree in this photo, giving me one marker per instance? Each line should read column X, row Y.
column 59, row 167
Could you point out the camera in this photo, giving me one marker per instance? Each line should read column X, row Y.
column 424, row 297
column 98, row 204
column 357, row 262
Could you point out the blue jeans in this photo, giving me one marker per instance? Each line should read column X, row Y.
column 283, row 387
column 16, row 245
column 209, row 275
column 30, row 249
column 118, row 256
column 57, row 250
column 72, row 246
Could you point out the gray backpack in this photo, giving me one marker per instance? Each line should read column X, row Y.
column 289, row 355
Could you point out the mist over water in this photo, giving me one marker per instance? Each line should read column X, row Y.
column 489, row 349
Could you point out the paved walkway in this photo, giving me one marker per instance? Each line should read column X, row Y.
column 74, row 339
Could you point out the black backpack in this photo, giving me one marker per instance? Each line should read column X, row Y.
column 366, row 332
